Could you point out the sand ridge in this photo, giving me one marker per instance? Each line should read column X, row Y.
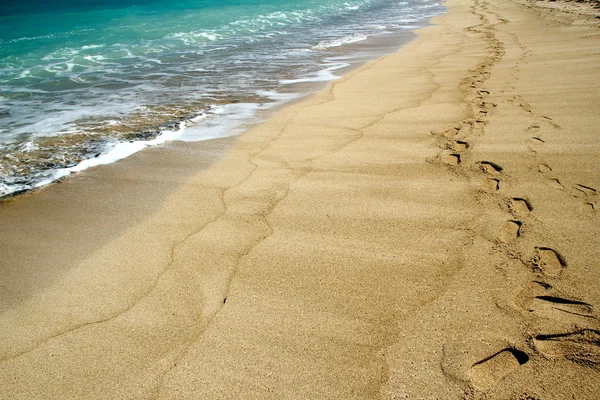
column 424, row 228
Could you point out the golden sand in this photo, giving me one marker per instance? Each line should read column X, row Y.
column 424, row 228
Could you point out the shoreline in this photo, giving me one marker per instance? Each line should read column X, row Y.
column 425, row 227
column 355, row 55
column 189, row 123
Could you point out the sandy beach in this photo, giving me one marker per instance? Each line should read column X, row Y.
column 426, row 227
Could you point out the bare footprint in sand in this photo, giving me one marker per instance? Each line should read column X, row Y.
column 520, row 207
column 537, row 140
column 452, row 132
column 452, row 159
column 459, row 145
column 543, row 167
column 510, row 231
column 489, row 167
column 587, row 195
column 478, row 124
column 555, row 183
column 486, row 373
column 549, row 261
column 589, row 208
column 449, row 133
column 585, row 190
column 561, row 309
column 581, row 346
column 490, row 185
column 488, row 105
column 543, row 301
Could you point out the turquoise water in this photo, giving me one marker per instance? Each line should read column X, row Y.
column 79, row 78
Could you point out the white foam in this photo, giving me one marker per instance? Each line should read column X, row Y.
column 277, row 96
column 61, row 121
column 191, row 38
column 77, row 79
column 28, row 38
column 117, row 152
column 324, row 75
column 408, row 27
column 233, row 118
column 128, row 54
column 96, row 59
column 24, row 74
column 327, row 44
column 61, row 54
column 27, row 147
column 92, row 46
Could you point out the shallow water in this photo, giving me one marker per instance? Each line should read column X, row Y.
column 85, row 83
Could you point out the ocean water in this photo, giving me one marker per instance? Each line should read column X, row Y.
column 87, row 82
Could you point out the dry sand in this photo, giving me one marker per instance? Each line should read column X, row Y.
column 427, row 227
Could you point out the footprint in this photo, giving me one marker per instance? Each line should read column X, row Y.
column 533, row 128
column 479, row 123
column 548, row 261
column 550, row 122
column 489, row 167
column 542, row 284
column 452, row 132
column 482, row 92
column 555, row 183
column 537, row 139
column 582, row 346
column 519, row 206
column 544, row 168
column 459, row 145
column 490, row 185
column 510, row 231
column 532, row 290
column 486, row 373
column 588, row 191
column 482, row 113
column 452, row 159
column 550, row 306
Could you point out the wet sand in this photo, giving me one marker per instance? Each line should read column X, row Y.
column 426, row 227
